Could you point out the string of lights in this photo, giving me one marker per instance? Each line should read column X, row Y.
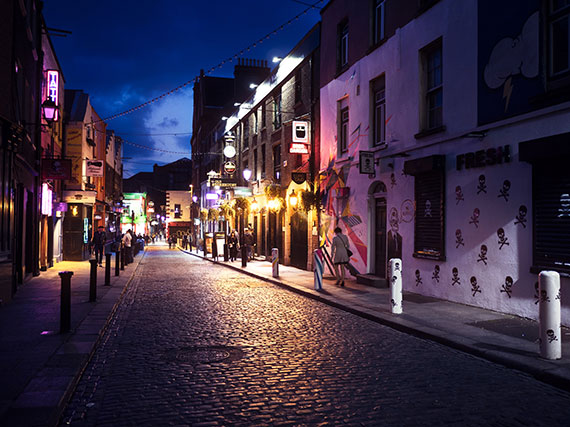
column 212, row 69
column 145, row 147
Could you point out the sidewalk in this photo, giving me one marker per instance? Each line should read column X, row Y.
column 508, row 340
column 39, row 366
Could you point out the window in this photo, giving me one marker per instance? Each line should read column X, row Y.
column 559, row 36
column 378, row 21
column 263, row 116
column 429, row 191
column 263, row 165
column 277, row 112
column 342, row 42
column 177, row 211
column 277, row 163
column 343, row 125
column 246, row 133
column 298, row 86
column 378, row 120
column 255, row 164
column 431, row 57
column 551, row 216
column 255, row 122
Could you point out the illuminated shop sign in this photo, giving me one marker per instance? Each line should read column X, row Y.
column 47, row 200
column 53, row 88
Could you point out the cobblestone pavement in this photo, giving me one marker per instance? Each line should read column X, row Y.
column 197, row 344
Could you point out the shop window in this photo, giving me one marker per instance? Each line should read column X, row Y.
column 429, row 193
column 551, row 217
column 177, row 211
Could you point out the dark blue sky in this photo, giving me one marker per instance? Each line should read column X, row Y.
column 125, row 52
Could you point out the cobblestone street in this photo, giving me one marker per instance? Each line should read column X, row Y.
column 193, row 343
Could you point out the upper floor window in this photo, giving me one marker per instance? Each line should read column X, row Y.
column 342, row 54
column 277, row 112
column 255, row 122
column 378, row 21
column 432, row 65
column 559, row 36
column 298, row 86
column 277, row 163
column 263, row 116
column 246, row 133
column 343, row 125
column 378, row 119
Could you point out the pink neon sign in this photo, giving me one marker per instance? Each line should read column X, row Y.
column 47, row 200
column 53, row 88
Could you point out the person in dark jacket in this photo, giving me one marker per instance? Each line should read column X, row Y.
column 98, row 243
column 233, row 245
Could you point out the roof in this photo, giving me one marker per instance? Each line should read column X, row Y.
column 75, row 105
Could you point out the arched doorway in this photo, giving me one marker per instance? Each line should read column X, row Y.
column 377, row 229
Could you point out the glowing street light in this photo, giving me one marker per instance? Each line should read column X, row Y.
column 293, row 198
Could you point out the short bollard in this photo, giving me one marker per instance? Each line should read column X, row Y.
column 396, row 285
column 117, row 261
column 226, row 252
column 318, row 266
column 122, row 258
column 550, row 340
column 93, row 281
column 108, row 269
column 65, row 302
column 244, row 255
column 275, row 262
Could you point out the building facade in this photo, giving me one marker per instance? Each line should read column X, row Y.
column 442, row 142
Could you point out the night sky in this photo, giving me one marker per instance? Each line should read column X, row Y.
column 123, row 53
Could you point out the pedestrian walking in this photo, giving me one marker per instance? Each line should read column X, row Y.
column 185, row 242
column 98, row 242
column 248, row 242
column 340, row 255
column 127, row 242
column 233, row 245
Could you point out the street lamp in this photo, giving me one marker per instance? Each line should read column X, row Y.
column 49, row 109
column 293, row 198
column 254, row 205
column 247, row 174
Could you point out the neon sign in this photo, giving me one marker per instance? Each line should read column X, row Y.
column 47, row 200
column 53, row 88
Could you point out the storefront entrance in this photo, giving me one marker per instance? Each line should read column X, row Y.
column 299, row 240
column 380, row 238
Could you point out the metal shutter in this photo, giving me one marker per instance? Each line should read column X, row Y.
column 429, row 225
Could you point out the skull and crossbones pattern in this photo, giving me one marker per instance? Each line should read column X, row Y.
column 475, row 288
column 475, row 217
column 544, row 296
column 483, row 255
column 557, row 295
column 521, row 217
column 458, row 195
column 564, row 209
column 397, row 267
column 504, row 192
column 435, row 275
column 551, row 336
column 459, row 238
column 455, row 280
column 507, row 288
column 393, row 302
column 503, row 240
column 418, row 278
column 482, row 186
column 427, row 211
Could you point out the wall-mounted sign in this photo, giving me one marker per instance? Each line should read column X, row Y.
column 94, row 167
column 56, row 168
column 482, row 158
column 301, row 132
column 298, row 148
column 242, row 192
column 53, row 88
column 85, row 197
column 222, row 183
column 47, row 200
column 229, row 167
column 366, row 162
column 229, row 151
column 298, row 177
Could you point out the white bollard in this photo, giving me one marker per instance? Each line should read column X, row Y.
column 396, row 285
column 550, row 340
column 275, row 261
column 318, row 268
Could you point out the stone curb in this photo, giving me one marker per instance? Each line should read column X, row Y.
column 546, row 374
column 58, row 412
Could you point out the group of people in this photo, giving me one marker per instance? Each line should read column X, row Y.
column 248, row 241
column 128, row 240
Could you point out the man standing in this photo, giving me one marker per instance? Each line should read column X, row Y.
column 98, row 242
column 127, row 239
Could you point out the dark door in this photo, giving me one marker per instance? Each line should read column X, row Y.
column 380, row 239
column 299, row 240
column 263, row 235
column 255, row 250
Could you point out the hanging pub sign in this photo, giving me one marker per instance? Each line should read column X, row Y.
column 94, row 167
column 229, row 167
column 298, row 177
column 56, row 168
column 300, row 139
column 366, row 162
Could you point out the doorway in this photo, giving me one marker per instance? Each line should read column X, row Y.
column 299, row 240
column 380, row 238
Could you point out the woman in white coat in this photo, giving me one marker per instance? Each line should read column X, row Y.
column 339, row 255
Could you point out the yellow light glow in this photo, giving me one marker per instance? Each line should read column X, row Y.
column 293, row 199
